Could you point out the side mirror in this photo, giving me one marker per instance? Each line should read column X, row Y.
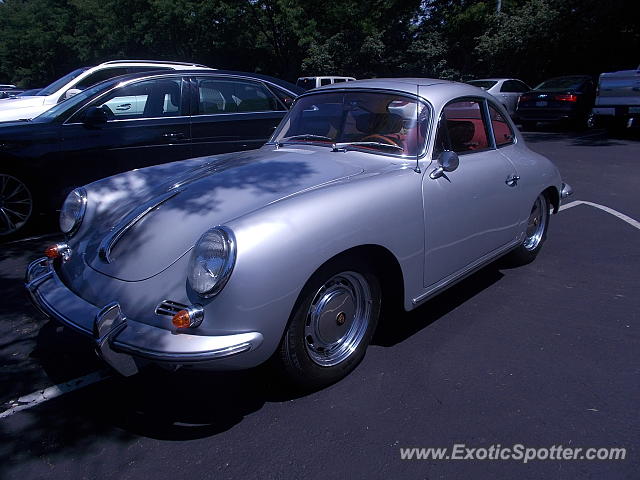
column 448, row 161
column 70, row 93
column 95, row 117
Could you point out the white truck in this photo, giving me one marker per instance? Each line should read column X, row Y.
column 617, row 103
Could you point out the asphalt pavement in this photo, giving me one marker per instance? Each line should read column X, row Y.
column 543, row 355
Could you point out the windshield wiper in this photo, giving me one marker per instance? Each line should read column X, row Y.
column 337, row 147
column 305, row 136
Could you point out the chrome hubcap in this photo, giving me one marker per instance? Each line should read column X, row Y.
column 15, row 204
column 537, row 223
column 338, row 318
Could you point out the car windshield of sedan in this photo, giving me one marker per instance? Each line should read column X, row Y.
column 562, row 83
column 61, row 82
column 374, row 122
column 71, row 103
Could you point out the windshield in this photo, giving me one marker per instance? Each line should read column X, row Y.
column 72, row 103
column 61, row 82
column 485, row 84
column 380, row 122
column 562, row 83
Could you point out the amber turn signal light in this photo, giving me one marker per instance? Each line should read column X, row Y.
column 188, row 318
column 58, row 250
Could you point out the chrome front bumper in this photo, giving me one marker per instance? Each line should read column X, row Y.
column 120, row 341
column 566, row 191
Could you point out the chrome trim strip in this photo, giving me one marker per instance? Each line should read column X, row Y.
column 565, row 191
column 116, row 233
column 487, row 259
column 182, row 357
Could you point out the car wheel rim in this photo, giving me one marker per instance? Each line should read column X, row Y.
column 536, row 224
column 16, row 204
column 338, row 318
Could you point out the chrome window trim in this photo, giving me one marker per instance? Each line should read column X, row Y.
column 348, row 89
column 236, row 113
column 508, row 121
column 124, row 83
column 484, row 113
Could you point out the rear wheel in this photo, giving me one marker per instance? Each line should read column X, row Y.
column 331, row 325
column 535, row 235
column 16, row 206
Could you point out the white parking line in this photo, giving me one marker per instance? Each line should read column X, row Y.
column 615, row 213
column 42, row 396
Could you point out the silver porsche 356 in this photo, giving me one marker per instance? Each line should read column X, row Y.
column 289, row 251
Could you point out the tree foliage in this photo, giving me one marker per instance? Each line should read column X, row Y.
column 41, row 40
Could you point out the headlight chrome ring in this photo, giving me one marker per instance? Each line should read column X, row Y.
column 73, row 211
column 212, row 261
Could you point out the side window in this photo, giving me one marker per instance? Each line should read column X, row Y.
column 462, row 128
column 339, row 80
column 325, row 81
column 234, row 96
column 147, row 99
column 514, row 86
column 100, row 76
column 284, row 96
column 501, row 129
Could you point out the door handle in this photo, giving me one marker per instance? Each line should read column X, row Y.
column 173, row 135
column 124, row 106
column 512, row 180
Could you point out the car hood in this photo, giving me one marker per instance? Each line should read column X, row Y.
column 21, row 108
column 158, row 227
column 24, row 102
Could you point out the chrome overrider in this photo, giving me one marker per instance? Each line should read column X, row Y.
column 120, row 341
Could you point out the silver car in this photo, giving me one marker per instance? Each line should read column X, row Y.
column 368, row 193
column 506, row 90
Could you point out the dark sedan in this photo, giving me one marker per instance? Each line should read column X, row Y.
column 130, row 122
column 561, row 99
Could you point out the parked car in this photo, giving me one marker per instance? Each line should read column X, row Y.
column 506, row 90
column 130, row 122
column 561, row 99
column 25, row 108
column 376, row 188
column 8, row 91
column 617, row 103
column 314, row 82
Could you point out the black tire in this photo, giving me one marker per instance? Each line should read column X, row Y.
column 17, row 206
column 535, row 235
column 300, row 354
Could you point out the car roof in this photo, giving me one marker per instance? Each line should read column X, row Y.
column 213, row 72
column 154, row 62
column 437, row 91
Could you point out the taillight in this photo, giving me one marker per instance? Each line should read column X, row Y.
column 525, row 98
column 566, row 98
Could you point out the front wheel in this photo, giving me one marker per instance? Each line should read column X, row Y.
column 16, row 206
column 535, row 235
column 331, row 325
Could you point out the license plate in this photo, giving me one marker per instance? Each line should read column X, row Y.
column 634, row 109
column 541, row 104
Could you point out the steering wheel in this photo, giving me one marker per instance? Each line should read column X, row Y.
column 382, row 139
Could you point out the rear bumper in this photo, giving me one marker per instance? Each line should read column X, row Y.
column 122, row 342
column 536, row 115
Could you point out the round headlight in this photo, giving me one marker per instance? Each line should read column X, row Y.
column 73, row 210
column 212, row 261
